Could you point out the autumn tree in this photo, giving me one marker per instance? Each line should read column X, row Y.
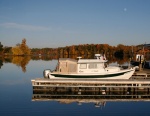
column 1, row 47
column 7, row 50
column 1, row 63
column 17, row 51
column 21, row 49
column 25, row 49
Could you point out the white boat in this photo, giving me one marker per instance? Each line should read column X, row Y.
column 88, row 69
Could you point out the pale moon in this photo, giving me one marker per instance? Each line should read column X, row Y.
column 125, row 9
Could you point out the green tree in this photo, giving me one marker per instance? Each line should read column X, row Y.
column 7, row 50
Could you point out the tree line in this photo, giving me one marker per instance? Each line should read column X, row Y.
column 18, row 50
column 86, row 50
column 83, row 49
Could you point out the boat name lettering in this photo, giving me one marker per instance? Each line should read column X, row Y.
column 81, row 71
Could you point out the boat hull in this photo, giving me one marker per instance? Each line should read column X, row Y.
column 126, row 74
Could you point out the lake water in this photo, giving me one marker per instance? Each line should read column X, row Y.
column 16, row 96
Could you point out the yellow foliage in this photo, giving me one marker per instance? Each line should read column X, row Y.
column 17, row 51
column 21, row 61
column 21, row 49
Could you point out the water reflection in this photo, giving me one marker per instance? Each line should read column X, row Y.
column 22, row 61
column 1, row 63
column 97, row 96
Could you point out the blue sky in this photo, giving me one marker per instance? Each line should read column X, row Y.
column 59, row 23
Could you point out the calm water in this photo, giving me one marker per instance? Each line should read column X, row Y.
column 16, row 97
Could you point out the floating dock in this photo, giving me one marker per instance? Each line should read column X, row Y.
column 90, row 91
column 139, row 80
column 98, row 91
column 144, row 74
column 90, row 83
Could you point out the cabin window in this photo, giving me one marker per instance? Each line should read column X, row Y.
column 92, row 66
column 95, row 65
column 83, row 66
column 100, row 65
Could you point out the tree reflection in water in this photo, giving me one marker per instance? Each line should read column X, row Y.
column 21, row 61
column 1, row 63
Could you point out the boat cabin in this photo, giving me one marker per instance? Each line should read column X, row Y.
column 139, row 57
column 67, row 65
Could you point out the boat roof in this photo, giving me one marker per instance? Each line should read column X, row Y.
column 82, row 60
column 91, row 61
column 67, row 59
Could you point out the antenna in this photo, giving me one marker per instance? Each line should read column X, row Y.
column 79, row 57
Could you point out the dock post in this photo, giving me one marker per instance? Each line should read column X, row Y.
column 140, row 66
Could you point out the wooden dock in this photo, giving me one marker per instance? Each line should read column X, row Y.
column 91, row 85
column 137, row 88
column 89, row 82
column 87, row 91
column 139, row 80
column 143, row 74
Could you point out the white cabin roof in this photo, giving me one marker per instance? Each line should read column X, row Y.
column 91, row 61
column 67, row 59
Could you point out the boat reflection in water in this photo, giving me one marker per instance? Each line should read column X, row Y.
column 97, row 96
